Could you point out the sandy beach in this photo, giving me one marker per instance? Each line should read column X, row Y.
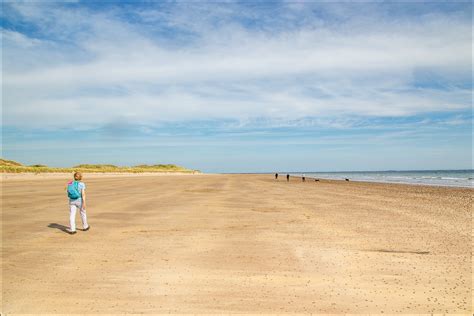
column 236, row 244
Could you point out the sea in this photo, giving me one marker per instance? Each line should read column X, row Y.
column 449, row 178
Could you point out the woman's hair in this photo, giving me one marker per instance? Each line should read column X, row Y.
column 77, row 175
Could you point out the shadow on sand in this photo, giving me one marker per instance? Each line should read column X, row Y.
column 399, row 251
column 59, row 226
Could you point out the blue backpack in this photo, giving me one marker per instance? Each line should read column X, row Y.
column 73, row 190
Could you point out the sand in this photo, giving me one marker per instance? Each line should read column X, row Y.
column 236, row 244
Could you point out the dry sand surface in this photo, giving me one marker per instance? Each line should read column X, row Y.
column 236, row 244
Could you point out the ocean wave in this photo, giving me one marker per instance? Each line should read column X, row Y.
column 439, row 178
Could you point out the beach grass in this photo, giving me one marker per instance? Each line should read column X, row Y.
column 10, row 166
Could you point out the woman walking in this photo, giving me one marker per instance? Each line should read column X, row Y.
column 76, row 191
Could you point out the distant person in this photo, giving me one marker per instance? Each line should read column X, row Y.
column 287, row 177
column 276, row 176
column 76, row 192
column 303, row 177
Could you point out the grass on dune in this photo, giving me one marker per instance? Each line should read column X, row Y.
column 9, row 163
column 10, row 166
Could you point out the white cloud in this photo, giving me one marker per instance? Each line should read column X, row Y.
column 102, row 68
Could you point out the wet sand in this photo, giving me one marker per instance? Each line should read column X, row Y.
column 236, row 244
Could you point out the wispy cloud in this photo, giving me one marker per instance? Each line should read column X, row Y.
column 182, row 62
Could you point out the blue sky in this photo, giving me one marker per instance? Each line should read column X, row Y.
column 239, row 86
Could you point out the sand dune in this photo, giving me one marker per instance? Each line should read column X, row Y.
column 236, row 244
